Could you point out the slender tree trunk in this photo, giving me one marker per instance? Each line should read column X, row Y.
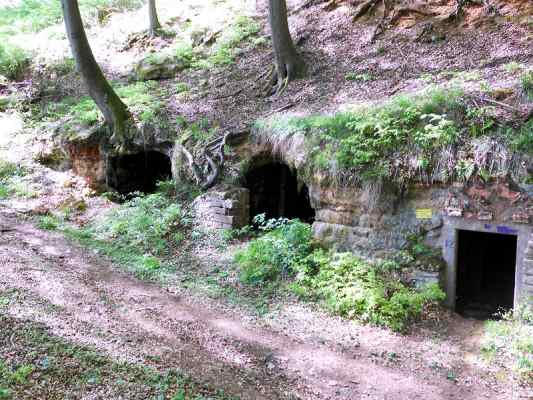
column 115, row 111
column 289, row 64
column 154, row 20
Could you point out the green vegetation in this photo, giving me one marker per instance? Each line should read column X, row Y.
column 12, row 181
column 510, row 341
column 48, row 223
column 272, row 256
column 42, row 364
column 512, row 67
column 363, row 142
column 225, row 48
column 182, row 87
column 138, row 234
column 526, row 81
column 36, row 15
column 522, row 139
column 401, row 140
column 13, row 59
column 345, row 284
column 353, row 288
column 354, row 76
column 144, row 222
column 142, row 98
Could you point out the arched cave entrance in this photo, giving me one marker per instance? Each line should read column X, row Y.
column 138, row 172
column 275, row 191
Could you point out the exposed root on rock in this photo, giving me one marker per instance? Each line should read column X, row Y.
column 277, row 81
column 207, row 168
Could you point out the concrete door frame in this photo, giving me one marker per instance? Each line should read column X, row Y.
column 450, row 246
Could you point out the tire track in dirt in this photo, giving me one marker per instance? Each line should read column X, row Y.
column 135, row 320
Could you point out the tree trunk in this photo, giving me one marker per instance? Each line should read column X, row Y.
column 115, row 111
column 154, row 20
column 289, row 65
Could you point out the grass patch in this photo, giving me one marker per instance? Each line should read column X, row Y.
column 45, row 366
column 35, row 15
column 509, row 342
column 241, row 29
column 522, row 139
column 142, row 98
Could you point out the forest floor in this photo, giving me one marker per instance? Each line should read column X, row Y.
column 292, row 351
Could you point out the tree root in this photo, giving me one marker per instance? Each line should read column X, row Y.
column 277, row 82
column 214, row 158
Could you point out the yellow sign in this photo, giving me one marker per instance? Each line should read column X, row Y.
column 424, row 213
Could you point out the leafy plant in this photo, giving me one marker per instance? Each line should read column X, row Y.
column 273, row 256
column 144, row 222
column 354, row 288
column 465, row 169
column 481, row 120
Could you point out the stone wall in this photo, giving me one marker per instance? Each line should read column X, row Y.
column 528, row 269
column 223, row 207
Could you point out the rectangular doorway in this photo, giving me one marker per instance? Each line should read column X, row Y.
column 486, row 268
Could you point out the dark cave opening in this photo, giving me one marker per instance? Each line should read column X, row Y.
column 275, row 191
column 138, row 172
column 486, row 264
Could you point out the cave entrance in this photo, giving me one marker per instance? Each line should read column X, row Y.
column 138, row 172
column 275, row 191
column 486, row 265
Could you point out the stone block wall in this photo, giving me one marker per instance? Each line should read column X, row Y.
column 528, row 270
column 223, row 207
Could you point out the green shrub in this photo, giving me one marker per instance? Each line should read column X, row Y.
column 353, row 288
column 273, row 256
column 145, row 223
column 13, row 59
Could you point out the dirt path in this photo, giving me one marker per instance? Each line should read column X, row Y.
column 86, row 300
